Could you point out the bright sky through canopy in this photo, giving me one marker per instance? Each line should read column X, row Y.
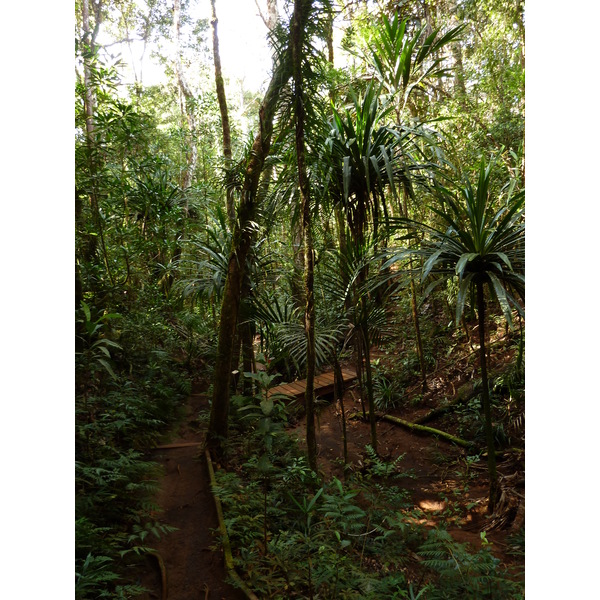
column 242, row 40
column 243, row 46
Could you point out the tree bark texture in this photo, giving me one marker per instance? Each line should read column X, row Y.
column 240, row 247
column 302, row 7
column 223, row 109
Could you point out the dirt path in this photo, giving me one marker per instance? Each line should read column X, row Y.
column 194, row 570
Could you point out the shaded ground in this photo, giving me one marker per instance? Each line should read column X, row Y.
column 448, row 489
column 438, row 484
column 195, row 571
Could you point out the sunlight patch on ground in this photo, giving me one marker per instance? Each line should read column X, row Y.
column 432, row 505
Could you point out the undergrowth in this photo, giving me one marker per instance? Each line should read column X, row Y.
column 297, row 536
column 128, row 390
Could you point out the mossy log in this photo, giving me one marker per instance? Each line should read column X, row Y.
column 420, row 428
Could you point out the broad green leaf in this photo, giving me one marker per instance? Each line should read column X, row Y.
column 107, row 366
column 266, row 406
column 463, row 261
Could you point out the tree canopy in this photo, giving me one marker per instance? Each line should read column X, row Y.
column 227, row 236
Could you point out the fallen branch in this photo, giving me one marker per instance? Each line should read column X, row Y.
column 163, row 573
column 420, row 428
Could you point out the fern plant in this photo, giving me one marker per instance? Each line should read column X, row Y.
column 463, row 574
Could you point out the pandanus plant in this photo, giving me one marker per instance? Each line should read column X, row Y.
column 482, row 245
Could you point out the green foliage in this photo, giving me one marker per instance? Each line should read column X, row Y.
column 152, row 262
column 403, row 62
column 387, row 392
column 465, row 575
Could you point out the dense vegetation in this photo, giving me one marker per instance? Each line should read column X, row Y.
column 371, row 196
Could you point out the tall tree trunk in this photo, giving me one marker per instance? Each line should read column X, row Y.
column 358, row 346
column 338, row 394
column 415, row 312
column 224, row 112
column 89, row 38
column 487, row 409
column 272, row 14
column 187, row 101
column 240, row 246
column 301, row 7
column 246, row 338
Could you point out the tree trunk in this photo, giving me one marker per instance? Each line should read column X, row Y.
column 415, row 312
column 224, row 112
column 240, row 246
column 272, row 14
column 338, row 394
column 89, row 38
column 370, row 398
column 301, row 8
column 187, row 102
column 487, row 409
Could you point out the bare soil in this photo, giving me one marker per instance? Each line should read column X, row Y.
column 442, row 486
column 194, row 565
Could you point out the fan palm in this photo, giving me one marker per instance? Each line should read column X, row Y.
column 480, row 245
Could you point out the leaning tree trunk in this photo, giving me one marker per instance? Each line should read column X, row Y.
column 487, row 409
column 240, row 246
column 301, row 8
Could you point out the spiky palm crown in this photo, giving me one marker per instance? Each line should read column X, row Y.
column 478, row 242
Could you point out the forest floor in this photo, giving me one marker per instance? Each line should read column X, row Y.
column 195, row 569
column 449, row 487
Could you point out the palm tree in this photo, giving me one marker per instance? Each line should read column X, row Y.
column 481, row 245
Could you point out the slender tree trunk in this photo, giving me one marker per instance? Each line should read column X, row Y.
column 187, row 101
column 415, row 312
column 301, row 7
column 358, row 345
column 338, row 393
column 245, row 334
column 370, row 397
column 487, row 409
column 89, row 38
column 272, row 14
column 187, row 104
column 224, row 112
column 240, row 246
